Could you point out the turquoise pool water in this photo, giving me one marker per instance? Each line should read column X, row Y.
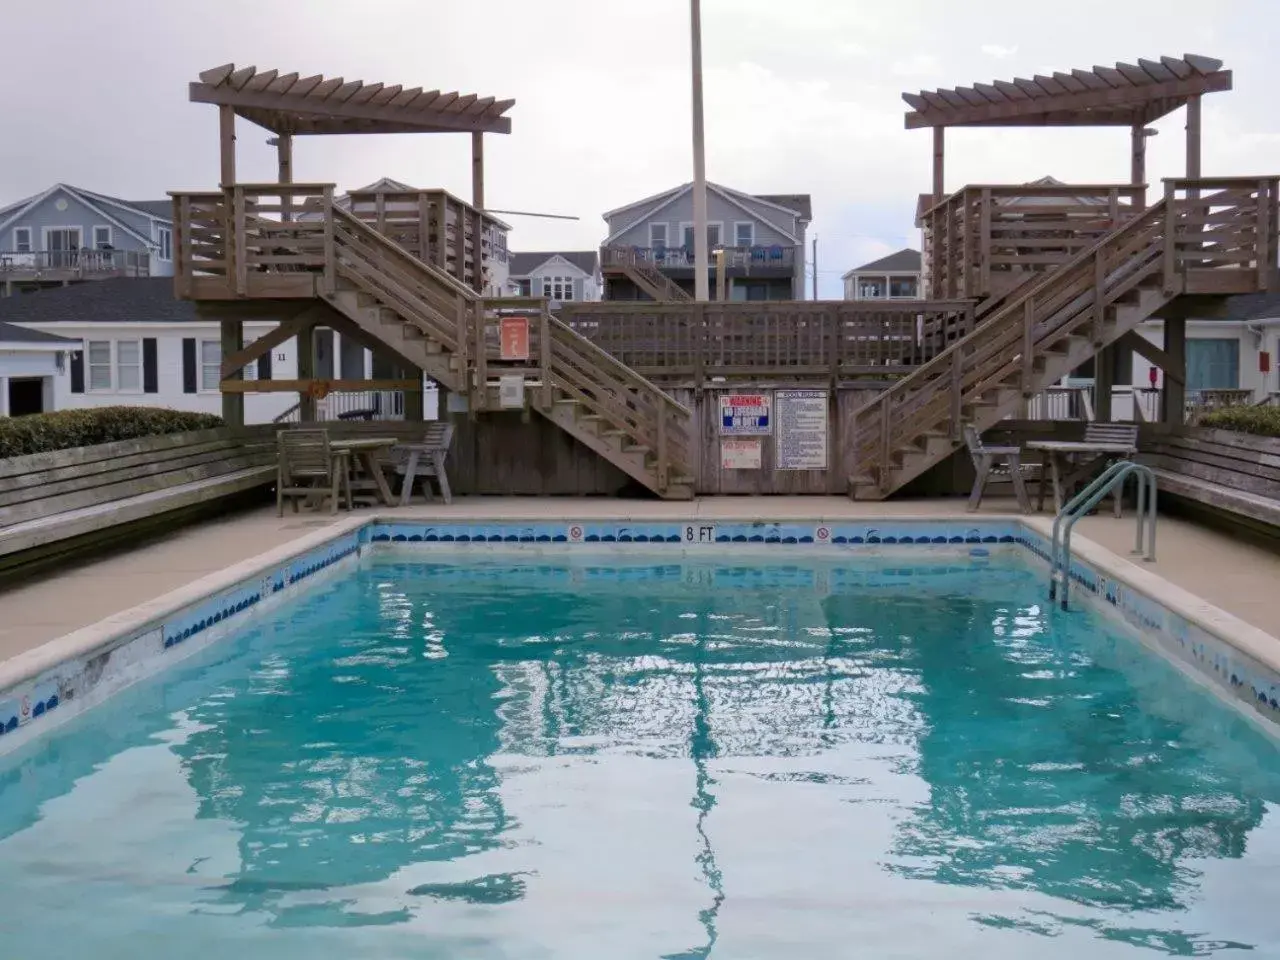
column 503, row 759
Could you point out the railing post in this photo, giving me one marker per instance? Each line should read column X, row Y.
column 1028, row 344
column 330, row 281
column 1263, row 232
column 240, row 242
column 663, row 465
column 701, row 341
column 957, row 393
column 482, row 358
column 424, row 227
column 182, row 266
column 1170, row 240
column 1099, row 300
column 984, row 251
column 544, row 351
column 885, row 448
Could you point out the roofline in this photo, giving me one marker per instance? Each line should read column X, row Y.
column 636, row 203
column 123, row 206
column 727, row 195
column 82, row 198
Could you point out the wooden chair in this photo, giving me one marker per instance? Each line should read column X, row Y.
column 1120, row 433
column 424, row 460
column 987, row 466
column 307, row 468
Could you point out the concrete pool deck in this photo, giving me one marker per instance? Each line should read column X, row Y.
column 1230, row 574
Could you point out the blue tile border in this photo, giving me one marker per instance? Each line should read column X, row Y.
column 1210, row 657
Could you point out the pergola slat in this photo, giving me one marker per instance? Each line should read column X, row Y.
column 1124, row 94
column 315, row 105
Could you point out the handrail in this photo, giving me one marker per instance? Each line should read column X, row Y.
column 1011, row 310
column 1038, row 190
column 1088, row 498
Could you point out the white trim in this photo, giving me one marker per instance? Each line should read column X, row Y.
column 22, row 206
column 89, row 365
column 610, row 214
column 749, row 223
column 45, row 231
column 27, row 346
column 795, row 214
column 93, row 232
column 159, row 250
column 688, row 225
column 30, row 242
column 666, row 233
column 729, row 196
column 200, row 364
column 115, row 358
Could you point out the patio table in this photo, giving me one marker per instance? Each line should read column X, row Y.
column 362, row 454
column 1067, row 462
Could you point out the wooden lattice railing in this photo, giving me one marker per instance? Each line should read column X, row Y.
column 1206, row 236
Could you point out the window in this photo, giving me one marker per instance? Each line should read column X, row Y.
column 210, row 364
column 498, row 244
column 99, row 364
column 871, row 289
column 166, row 243
column 744, row 234
column 524, row 287
column 21, row 239
column 713, row 236
column 903, row 287
column 1213, row 363
column 557, row 288
column 657, row 235
column 128, row 365
column 101, row 237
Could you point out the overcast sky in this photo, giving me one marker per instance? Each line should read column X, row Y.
column 802, row 96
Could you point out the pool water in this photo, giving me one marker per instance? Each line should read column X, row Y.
column 498, row 758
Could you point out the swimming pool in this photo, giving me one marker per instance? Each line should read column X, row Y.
column 587, row 754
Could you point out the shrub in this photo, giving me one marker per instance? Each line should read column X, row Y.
column 42, row 432
column 1263, row 421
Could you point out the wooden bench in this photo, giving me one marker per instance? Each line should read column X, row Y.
column 424, row 460
column 1230, row 474
column 82, row 496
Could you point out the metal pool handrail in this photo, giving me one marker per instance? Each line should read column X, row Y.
column 1088, row 498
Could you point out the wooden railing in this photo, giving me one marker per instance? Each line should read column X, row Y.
column 984, row 240
column 436, row 227
column 1205, row 236
column 836, row 340
column 772, row 257
column 75, row 263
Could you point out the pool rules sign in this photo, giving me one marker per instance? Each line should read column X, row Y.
column 803, row 430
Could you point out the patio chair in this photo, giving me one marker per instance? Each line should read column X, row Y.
column 987, row 466
column 424, row 460
column 308, row 469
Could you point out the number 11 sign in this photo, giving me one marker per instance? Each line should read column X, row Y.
column 513, row 332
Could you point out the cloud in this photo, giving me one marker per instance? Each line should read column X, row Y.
column 918, row 64
column 997, row 51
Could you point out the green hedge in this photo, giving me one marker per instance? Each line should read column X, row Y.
column 1263, row 421
column 42, row 432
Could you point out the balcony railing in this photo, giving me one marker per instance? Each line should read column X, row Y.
column 681, row 258
column 75, row 263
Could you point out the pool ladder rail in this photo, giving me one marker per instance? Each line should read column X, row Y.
column 1114, row 476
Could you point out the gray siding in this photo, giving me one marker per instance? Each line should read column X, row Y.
column 46, row 214
column 719, row 210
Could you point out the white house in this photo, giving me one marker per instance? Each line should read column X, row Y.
column 30, row 363
column 129, row 342
column 572, row 275
column 895, row 277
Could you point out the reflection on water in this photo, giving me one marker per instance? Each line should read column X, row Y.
column 691, row 760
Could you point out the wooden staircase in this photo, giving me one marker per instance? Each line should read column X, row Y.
column 1218, row 241
column 643, row 273
column 437, row 323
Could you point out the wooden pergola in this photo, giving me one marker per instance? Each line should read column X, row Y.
column 289, row 105
column 1124, row 95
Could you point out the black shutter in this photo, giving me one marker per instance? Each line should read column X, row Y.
column 190, row 378
column 264, row 366
column 77, row 371
column 150, row 367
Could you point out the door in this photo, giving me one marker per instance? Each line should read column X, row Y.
column 63, row 244
column 26, row 396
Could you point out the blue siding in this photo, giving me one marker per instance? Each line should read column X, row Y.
column 76, row 214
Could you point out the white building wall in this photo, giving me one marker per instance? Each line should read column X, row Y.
column 24, row 364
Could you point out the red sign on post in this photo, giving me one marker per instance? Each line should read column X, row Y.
column 513, row 332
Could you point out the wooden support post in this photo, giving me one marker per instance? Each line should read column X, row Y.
column 306, row 371
column 1028, row 345
column 1104, row 368
column 233, row 343
column 547, row 395
column 227, row 142
column 722, row 280
column 414, row 401
column 938, row 140
column 1174, row 396
column 477, row 169
column 1193, row 137
column 1138, row 161
column 284, row 163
